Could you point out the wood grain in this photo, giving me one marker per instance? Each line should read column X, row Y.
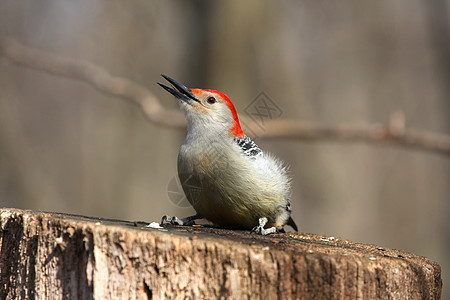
column 60, row 256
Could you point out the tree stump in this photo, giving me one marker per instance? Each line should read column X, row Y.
column 60, row 256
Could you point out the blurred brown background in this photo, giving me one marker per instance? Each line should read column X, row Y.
column 66, row 147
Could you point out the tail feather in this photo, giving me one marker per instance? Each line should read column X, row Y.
column 291, row 223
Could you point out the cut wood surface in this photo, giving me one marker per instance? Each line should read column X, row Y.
column 60, row 256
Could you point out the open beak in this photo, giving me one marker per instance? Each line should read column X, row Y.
column 180, row 91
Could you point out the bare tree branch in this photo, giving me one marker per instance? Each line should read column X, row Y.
column 394, row 133
column 95, row 76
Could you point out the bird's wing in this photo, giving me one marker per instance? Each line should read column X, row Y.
column 248, row 146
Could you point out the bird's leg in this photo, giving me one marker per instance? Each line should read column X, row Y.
column 188, row 221
column 260, row 228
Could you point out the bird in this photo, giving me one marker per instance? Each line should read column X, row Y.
column 225, row 176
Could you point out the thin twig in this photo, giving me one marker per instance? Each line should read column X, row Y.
column 394, row 133
column 95, row 76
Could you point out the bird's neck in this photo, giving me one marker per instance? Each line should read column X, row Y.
column 209, row 128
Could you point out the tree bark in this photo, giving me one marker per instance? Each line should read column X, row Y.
column 60, row 256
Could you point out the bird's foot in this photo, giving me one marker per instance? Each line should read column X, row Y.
column 260, row 228
column 188, row 221
column 171, row 220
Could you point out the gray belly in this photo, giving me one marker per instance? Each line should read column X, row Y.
column 229, row 206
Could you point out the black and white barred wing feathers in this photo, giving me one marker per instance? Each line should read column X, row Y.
column 248, row 147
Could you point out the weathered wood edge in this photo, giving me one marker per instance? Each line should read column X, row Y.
column 428, row 273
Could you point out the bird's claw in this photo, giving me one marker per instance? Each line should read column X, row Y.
column 188, row 221
column 260, row 228
column 257, row 229
column 171, row 220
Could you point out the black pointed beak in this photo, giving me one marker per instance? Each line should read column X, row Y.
column 180, row 91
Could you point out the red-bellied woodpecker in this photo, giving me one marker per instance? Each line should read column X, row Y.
column 224, row 174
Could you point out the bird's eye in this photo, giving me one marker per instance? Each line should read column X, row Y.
column 211, row 100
